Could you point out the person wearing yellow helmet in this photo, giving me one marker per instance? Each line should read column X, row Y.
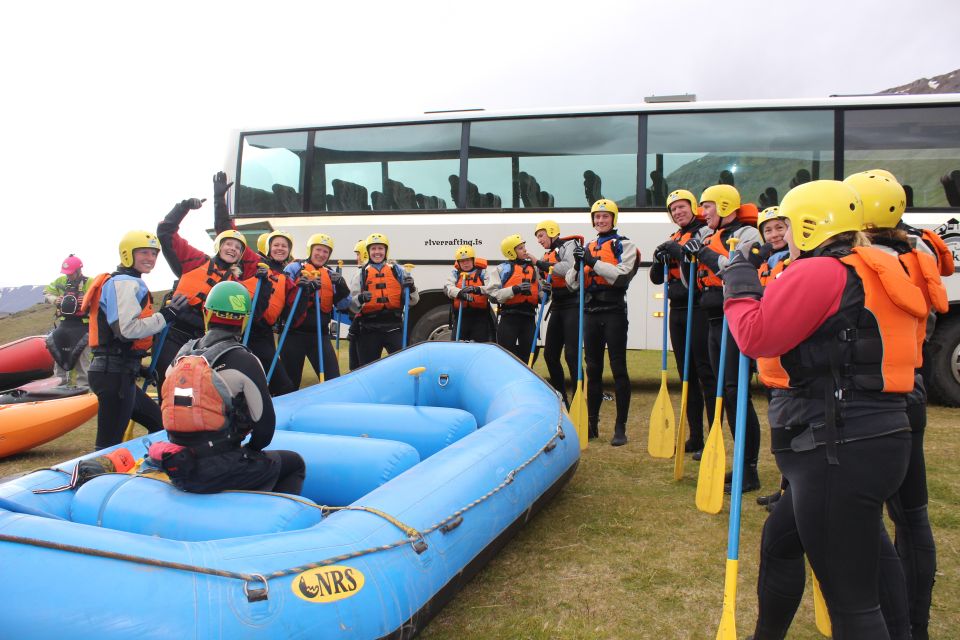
column 360, row 251
column 609, row 264
column 197, row 272
column 262, row 245
column 683, row 211
column 122, row 326
column 843, row 321
column 377, row 294
column 516, row 287
column 563, row 332
column 469, row 287
column 884, row 201
column 727, row 219
column 305, row 335
column 772, row 257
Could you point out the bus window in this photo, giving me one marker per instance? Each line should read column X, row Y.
column 271, row 170
column 554, row 162
column 918, row 145
column 762, row 153
column 390, row 168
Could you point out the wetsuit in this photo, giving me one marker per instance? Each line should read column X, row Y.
column 379, row 318
column 270, row 309
column 68, row 341
column 517, row 294
column 563, row 330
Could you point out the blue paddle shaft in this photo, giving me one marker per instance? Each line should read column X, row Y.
column 723, row 357
column 253, row 306
column 456, row 338
column 666, row 311
column 283, row 334
column 406, row 314
column 156, row 356
column 316, row 303
column 536, row 330
column 739, row 437
column 686, row 343
column 580, row 329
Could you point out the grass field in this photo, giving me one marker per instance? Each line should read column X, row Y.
column 622, row 552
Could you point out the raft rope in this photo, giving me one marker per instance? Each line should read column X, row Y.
column 417, row 539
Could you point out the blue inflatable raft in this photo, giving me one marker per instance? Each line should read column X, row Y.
column 434, row 472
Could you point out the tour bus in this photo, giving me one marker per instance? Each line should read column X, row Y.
column 436, row 181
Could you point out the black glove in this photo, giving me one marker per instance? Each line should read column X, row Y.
column 472, row 290
column 220, row 185
column 192, row 203
column 740, row 279
column 766, row 251
column 336, row 277
column 408, row 283
column 523, row 287
column 465, row 294
column 546, row 286
column 692, row 247
column 262, row 272
column 307, row 285
column 174, row 308
column 364, row 297
column 147, row 374
column 544, row 265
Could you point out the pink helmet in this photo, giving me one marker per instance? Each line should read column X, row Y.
column 71, row 265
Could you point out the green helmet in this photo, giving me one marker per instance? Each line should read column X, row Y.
column 227, row 303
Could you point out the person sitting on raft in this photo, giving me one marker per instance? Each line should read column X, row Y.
column 205, row 454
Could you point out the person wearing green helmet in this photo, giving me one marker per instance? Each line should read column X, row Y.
column 215, row 394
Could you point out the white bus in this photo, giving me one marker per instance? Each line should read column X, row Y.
column 436, row 181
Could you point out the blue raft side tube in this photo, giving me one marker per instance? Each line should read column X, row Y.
column 520, row 416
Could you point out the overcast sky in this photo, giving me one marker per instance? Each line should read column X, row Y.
column 115, row 111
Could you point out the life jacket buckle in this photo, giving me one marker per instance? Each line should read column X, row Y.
column 848, row 334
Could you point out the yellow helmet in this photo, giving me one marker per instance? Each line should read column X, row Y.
column 819, row 210
column 361, row 248
column 768, row 214
column 377, row 238
column 262, row 243
column 725, row 196
column 551, row 227
column 280, row 234
column 605, row 205
column 682, row 194
column 884, row 200
column 464, row 252
column 230, row 234
column 132, row 240
column 321, row 239
column 509, row 246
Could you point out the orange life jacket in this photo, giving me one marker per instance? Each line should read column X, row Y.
column 870, row 343
column 608, row 251
column 925, row 275
column 559, row 283
column 277, row 298
column 385, row 289
column 520, row 273
column 717, row 243
column 326, row 285
column 681, row 237
column 196, row 284
column 472, row 278
column 194, row 396
column 944, row 255
column 768, row 275
column 770, row 371
column 91, row 306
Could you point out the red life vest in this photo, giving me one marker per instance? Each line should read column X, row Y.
column 520, row 273
column 472, row 278
column 91, row 306
column 385, row 289
column 326, row 285
column 196, row 284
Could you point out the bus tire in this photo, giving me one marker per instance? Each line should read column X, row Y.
column 432, row 325
column 945, row 362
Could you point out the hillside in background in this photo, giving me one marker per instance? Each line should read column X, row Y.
column 945, row 83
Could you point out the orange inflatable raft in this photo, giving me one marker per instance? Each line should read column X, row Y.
column 30, row 424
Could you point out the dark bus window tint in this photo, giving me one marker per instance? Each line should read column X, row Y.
column 918, row 146
column 271, row 173
column 397, row 168
column 762, row 153
column 552, row 162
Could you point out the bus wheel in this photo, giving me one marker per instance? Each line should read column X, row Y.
column 945, row 365
column 433, row 325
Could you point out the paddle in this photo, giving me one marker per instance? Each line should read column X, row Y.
column 578, row 408
column 820, row 612
column 713, row 461
column 456, row 338
column 415, row 372
column 728, row 620
column 316, row 304
column 681, row 427
column 661, row 436
column 336, row 313
column 128, row 432
column 253, row 305
column 283, row 334
column 536, row 331
column 406, row 308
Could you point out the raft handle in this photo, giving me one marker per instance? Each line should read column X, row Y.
column 453, row 524
column 443, row 379
column 419, row 545
column 256, row 595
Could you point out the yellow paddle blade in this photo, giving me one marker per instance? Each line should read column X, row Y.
column 681, row 435
column 128, row 432
column 728, row 620
column 578, row 414
column 713, row 465
column 660, row 439
column 820, row 612
column 530, row 361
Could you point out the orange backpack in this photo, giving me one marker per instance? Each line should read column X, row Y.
column 195, row 396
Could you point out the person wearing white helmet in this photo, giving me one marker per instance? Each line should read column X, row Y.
column 68, row 341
